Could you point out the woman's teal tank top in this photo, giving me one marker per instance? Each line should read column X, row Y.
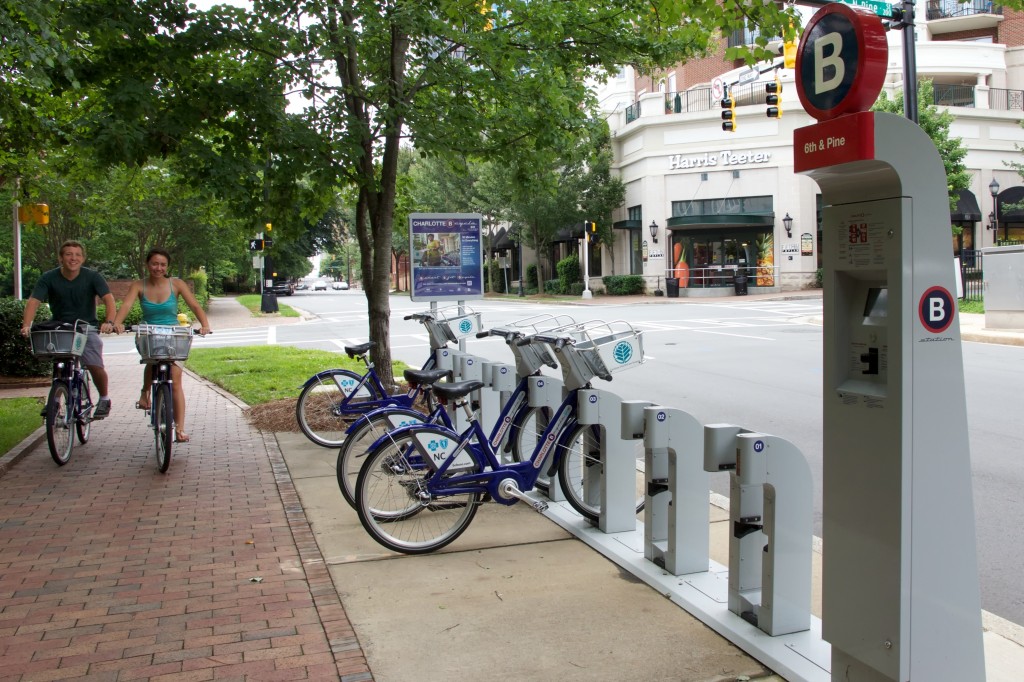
column 165, row 313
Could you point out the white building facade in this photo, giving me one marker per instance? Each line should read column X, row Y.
column 714, row 213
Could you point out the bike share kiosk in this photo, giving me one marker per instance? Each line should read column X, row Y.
column 900, row 582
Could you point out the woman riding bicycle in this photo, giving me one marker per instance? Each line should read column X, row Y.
column 158, row 296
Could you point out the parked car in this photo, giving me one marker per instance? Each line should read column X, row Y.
column 301, row 286
column 320, row 286
column 339, row 286
column 283, row 288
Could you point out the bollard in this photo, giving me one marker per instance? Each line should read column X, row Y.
column 676, row 514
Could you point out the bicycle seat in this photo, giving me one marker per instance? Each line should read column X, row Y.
column 426, row 377
column 360, row 349
column 459, row 389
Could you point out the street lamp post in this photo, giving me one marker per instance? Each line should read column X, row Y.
column 993, row 188
column 519, row 242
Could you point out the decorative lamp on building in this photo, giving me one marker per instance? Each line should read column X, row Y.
column 653, row 227
column 787, row 223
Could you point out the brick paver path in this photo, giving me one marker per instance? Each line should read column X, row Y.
column 111, row 571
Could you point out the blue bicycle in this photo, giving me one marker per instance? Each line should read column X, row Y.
column 69, row 403
column 331, row 400
column 515, row 430
column 421, row 485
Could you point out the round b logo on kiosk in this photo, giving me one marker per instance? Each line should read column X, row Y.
column 936, row 309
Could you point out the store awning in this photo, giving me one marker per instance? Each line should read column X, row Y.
column 683, row 222
column 501, row 242
column 1009, row 197
column 627, row 225
column 967, row 210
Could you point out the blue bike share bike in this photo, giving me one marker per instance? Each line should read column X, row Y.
column 331, row 400
column 515, row 430
column 69, row 404
column 421, row 485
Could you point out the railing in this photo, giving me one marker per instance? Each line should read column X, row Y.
column 698, row 99
column 953, row 95
column 1006, row 100
column 946, row 9
column 720, row 276
column 746, row 36
column 632, row 112
column 972, row 274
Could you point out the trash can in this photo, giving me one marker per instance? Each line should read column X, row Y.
column 268, row 303
column 672, row 287
column 740, row 282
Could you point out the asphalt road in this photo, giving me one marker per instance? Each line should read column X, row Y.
column 757, row 364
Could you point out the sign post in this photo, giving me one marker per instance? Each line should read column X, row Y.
column 900, row 588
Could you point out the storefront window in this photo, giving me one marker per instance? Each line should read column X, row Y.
column 636, row 257
column 711, row 259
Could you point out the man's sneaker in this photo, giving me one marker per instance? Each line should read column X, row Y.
column 102, row 408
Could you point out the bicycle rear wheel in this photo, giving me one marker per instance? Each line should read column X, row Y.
column 163, row 426
column 356, row 447
column 395, row 507
column 580, row 471
column 319, row 409
column 83, row 422
column 58, row 422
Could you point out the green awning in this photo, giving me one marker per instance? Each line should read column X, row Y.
column 683, row 222
column 627, row 225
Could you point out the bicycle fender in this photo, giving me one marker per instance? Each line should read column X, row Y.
column 325, row 373
column 399, row 432
column 373, row 414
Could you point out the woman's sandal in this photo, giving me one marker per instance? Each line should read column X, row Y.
column 180, row 436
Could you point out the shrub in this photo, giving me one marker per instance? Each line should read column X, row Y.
column 497, row 276
column 623, row 285
column 201, row 288
column 552, row 286
column 819, row 278
column 531, row 277
column 16, row 359
column 568, row 273
column 576, row 289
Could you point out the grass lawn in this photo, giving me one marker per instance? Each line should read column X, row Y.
column 971, row 306
column 260, row 374
column 254, row 301
column 18, row 418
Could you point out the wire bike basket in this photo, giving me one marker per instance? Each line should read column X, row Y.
column 156, row 342
column 531, row 357
column 449, row 325
column 600, row 349
column 63, row 341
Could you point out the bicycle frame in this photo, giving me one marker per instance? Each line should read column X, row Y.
column 479, row 447
column 346, row 407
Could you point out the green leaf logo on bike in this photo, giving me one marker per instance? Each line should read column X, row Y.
column 465, row 326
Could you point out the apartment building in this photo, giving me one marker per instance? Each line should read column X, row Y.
column 704, row 205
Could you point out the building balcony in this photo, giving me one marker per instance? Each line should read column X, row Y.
column 950, row 16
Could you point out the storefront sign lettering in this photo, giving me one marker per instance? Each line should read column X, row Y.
column 723, row 158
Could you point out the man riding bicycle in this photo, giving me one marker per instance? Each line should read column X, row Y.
column 72, row 290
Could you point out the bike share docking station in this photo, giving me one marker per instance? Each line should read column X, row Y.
column 900, row 589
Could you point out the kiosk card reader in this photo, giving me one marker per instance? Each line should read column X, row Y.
column 900, row 597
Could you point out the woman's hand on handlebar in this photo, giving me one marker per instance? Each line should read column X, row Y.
column 204, row 330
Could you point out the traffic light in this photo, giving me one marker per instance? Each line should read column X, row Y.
column 729, row 115
column 773, row 93
column 255, row 244
column 789, row 54
column 270, row 226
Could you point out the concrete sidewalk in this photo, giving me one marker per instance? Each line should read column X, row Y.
column 244, row 562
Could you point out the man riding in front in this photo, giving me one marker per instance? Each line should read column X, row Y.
column 71, row 291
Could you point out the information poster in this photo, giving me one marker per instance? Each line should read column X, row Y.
column 446, row 256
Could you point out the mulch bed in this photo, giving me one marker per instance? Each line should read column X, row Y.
column 23, row 382
column 277, row 415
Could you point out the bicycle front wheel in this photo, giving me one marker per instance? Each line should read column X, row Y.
column 580, row 470
column 58, row 422
column 324, row 413
column 395, row 507
column 83, row 422
column 526, row 435
column 163, row 426
column 357, row 444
